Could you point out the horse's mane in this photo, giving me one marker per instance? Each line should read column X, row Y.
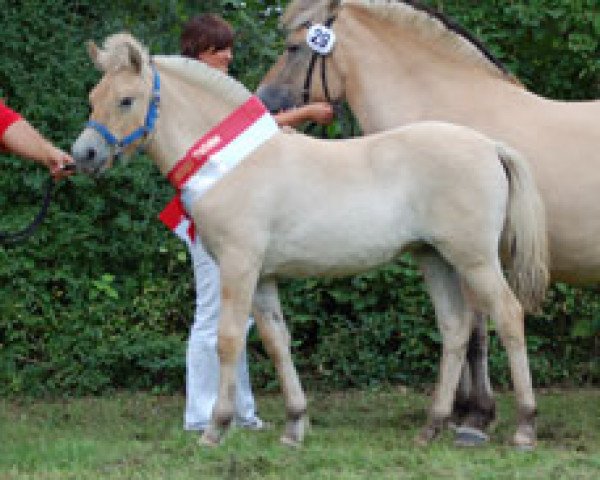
column 194, row 71
column 298, row 12
column 431, row 23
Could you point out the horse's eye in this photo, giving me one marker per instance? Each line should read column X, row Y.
column 126, row 102
column 294, row 48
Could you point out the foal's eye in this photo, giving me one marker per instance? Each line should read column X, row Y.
column 294, row 48
column 126, row 102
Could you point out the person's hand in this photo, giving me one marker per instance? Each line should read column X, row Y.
column 57, row 160
column 319, row 112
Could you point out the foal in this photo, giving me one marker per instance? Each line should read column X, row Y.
column 328, row 208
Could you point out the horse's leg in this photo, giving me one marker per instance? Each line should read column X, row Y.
column 478, row 408
column 460, row 409
column 494, row 295
column 454, row 320
column 276, row 338
column 238, row 281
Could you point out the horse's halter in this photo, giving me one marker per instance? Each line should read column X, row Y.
column 311, row 67
column 142, row 132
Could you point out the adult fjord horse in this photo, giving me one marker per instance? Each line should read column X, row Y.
column 297, row 206
column 395, row 63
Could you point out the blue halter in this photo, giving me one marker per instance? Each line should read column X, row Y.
column 140, row 132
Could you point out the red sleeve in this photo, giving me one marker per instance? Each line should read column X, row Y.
column 7, row 118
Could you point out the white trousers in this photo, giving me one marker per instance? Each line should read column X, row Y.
column 202, row 361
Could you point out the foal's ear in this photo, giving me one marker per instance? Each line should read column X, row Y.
column 94, row 53
column 135, row 58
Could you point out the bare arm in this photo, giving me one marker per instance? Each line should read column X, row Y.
column 22, row 139
column 319, row 112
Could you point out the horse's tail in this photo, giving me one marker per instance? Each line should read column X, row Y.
column 525, row 238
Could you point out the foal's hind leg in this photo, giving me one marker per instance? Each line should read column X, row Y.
column 276, row 338
column 455, row 322
column 495, row 296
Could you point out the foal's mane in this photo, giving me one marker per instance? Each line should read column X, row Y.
column 430, row 23
column 196, row 72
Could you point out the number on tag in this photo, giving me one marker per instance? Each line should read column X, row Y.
column 320, row 39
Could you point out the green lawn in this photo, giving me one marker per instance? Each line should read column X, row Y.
column 354, row 435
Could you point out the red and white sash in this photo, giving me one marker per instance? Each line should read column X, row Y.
column 212, row 157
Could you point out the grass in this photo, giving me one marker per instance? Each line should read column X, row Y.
column 355, row 435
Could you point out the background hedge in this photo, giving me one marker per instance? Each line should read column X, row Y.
column 101, row 297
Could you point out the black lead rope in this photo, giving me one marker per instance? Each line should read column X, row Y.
column 8, row 238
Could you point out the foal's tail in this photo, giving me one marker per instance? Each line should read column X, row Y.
column 524, row 239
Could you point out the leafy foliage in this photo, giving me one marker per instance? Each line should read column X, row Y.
column 551, row 45
column 101, row 297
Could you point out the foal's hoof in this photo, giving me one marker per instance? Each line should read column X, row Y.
column 209, row 439
column 425, row 436
column 524, row 442
column 430, row 431
column 525, row 448
column 294, row 431
column 470, row 437
column 289, row 442
column 524, row 439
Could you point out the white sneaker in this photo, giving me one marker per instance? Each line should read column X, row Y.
column 255, row 423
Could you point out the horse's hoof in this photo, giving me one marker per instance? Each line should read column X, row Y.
column 470, row 437
column 479, row 419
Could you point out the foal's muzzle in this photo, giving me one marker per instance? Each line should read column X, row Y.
column 91, row 153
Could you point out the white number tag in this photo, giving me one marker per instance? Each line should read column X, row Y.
column 320, row 38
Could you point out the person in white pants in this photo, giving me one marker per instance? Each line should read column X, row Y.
column 209, row 39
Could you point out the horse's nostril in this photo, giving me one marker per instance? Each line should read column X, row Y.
column 91, row 154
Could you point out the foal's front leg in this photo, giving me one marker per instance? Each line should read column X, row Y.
column 276, row 339
column 238, row 281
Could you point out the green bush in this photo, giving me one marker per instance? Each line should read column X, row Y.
column 101, row 297
column 551, row 45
